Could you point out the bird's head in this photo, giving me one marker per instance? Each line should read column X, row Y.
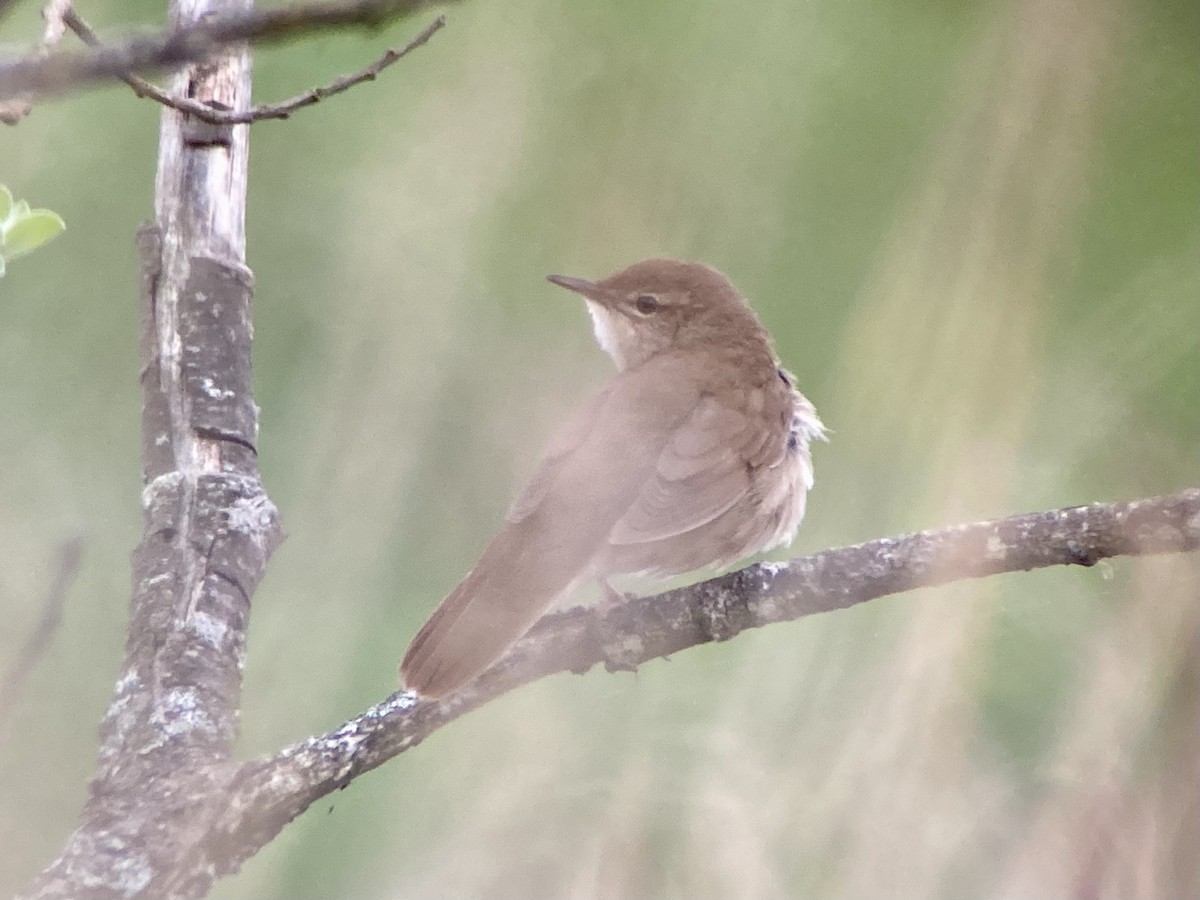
column 664, row 304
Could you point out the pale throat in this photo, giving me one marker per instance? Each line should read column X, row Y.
column 604, row 326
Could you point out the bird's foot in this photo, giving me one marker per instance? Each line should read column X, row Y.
column 612, row 597
column 609, row 642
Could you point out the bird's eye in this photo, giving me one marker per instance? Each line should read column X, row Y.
column 646, row 303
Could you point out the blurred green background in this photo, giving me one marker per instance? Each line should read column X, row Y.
column 974, row 229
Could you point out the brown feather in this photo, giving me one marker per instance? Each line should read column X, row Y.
column 586, row 480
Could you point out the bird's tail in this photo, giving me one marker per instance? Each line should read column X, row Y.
column 483, row 616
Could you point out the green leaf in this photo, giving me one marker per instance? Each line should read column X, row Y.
column 6, row 202
column 30, row 231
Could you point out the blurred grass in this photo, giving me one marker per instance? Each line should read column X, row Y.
column 972, row 228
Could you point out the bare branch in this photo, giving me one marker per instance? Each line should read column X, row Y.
column 194, row 42
column 65, row 572
column 14, row 109
column 281, row 110
column 266, row 794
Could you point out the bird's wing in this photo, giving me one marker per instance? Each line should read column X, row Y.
column 703, row 470
column 594, row 467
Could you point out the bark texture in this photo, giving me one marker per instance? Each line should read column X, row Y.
column 209, row 527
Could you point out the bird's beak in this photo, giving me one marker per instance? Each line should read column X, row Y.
column 582, row 286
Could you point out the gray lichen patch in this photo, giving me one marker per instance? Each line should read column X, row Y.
column 996, row 549
column 131, row 873
column 181, row 713
column 122, row 715
column 111, row 864
column 164, row 487
column 209, row 629
column 252, row 514
column 628, row 650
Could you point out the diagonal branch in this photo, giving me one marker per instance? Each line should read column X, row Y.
column 193, row 42
column 259, row 112
column 266, row 794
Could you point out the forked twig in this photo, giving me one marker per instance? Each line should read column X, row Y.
column 281, row 110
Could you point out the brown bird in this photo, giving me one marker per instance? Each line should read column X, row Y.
column 695, row 454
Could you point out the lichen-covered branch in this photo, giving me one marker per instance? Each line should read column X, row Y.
column 193, row 40
column 209, row 528
column 266, row 794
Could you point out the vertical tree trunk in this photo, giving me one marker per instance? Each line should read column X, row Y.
column 209, row 527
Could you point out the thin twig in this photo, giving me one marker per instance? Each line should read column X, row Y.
column 69, row 555
column 280, row 110
column 176, row 46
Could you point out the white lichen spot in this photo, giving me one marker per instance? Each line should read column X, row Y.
column 128, row 874
column 167, row 482
column 210, row 390
column 768, row 609
column 119, row 717
column 350, row 743
column 628, row 648
column 209, row 629
column 773, row 568
column 131, row 873
column 127, row 683
column 995, row 547
column 1193, row 522
column 405, row 742
column 251, row 515
column 181, row 713
column 285, row 780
